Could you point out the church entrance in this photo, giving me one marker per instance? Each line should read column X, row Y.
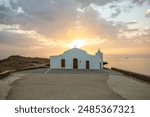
column 75, row 63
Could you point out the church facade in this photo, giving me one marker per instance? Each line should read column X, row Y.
column 77, row 59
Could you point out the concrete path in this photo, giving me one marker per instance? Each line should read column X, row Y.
column 63, row 86
column 72, row 84
column 129, row 88
column 5, row 83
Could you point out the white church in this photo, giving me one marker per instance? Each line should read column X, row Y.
column 77, row 59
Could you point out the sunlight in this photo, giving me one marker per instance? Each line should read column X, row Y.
column 77, row 43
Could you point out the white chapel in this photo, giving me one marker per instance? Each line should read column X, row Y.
column 77, row 59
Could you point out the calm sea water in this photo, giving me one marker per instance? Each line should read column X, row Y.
column 139, row 65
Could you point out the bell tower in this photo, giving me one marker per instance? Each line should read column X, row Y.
column 99, row 54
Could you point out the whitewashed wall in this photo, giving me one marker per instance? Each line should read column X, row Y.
column 82, row 56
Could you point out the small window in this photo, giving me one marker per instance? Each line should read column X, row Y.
column 100, row 65
column 62, row 62
column 87, row 64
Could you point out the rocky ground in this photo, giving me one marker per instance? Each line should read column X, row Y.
column 18, row 63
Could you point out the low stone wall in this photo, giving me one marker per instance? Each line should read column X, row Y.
column 30, row 68
column 133, row 74
column 8, row 72
column 4, row 74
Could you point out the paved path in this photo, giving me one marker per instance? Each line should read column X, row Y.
column 129, row 88
column 72, row 84
column 63, row 86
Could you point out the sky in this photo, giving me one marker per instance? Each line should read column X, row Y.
column 41, row 28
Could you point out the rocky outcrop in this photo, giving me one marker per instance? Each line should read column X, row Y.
column 20, row 63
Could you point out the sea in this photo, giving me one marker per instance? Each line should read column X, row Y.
column 138, row 65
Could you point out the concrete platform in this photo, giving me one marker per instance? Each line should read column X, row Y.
column 63, row 87
column 72, row 84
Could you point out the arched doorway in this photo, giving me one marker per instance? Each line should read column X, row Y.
column 75, row 63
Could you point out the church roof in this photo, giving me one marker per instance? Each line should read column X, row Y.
column 75, row 50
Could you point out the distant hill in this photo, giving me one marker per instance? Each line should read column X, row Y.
column 17, row 62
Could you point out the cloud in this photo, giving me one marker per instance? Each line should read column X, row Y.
column 134, row 35
column 16, row 40
column 57, row 19
column 117, row 12
column 54, row 23
column 113, row 6
column 142, row 38
column 20, row 10
column 9, row 15
column 5, row 2
column 147, row 13
column 98, row 26
column 132, row 22
column 50, row 18
column 98, row 2
column 10, row 34
column 140, row 2
column 4, row 13
column 60, row 20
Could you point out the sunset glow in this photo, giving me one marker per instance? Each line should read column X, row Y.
column 77, row 43
column 50, row 27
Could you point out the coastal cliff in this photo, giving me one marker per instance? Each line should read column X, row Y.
column 16, row 63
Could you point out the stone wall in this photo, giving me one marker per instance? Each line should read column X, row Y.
column 4, row 74
column 133, row 74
